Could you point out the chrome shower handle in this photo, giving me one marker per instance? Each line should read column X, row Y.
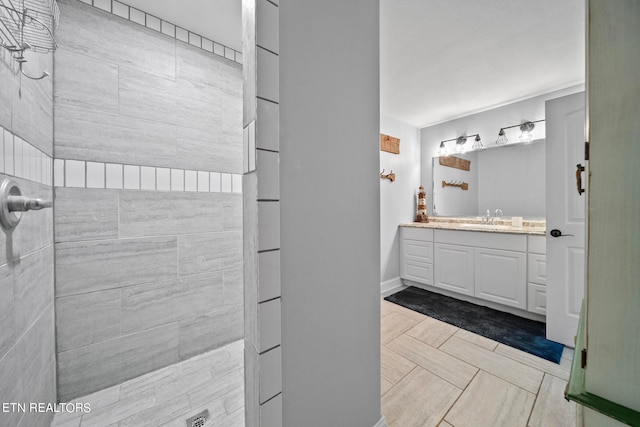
column 23, row 204
column 12, row 203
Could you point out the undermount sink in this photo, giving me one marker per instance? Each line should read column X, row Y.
column 486, row 226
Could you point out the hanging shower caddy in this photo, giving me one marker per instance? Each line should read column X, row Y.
column 27, row 25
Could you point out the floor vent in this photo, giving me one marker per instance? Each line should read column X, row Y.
column 198, row 420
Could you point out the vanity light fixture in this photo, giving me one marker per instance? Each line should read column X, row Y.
column 460, row 145
column 526, row 132
column 502, row 138
column 477, row 144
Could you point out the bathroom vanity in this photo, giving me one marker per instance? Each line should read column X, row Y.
column 491, row 264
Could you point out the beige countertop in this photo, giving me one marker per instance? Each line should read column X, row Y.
column 532, row 227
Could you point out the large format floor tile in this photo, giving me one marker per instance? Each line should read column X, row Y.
column 489, row 402
column 497, row 386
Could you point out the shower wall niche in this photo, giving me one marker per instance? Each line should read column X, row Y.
column 148, row 205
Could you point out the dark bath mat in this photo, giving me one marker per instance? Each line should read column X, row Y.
column 509, row 329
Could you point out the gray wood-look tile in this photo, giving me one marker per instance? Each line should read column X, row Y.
column 434, row 360
column 208, row 149
column 490, row 401
column 207, row 252
column 220, row 392
column 418, row 317
column 101, row 398
column 204, row 333
column 32, row 106
column 194, row 64
column 158, row 414
column 249, row 67
column 533, row 361
column 7, row 310
column 6, row 88
column 393, row 366
column 93, row 367
column 85, row 214
column 36, row 353
column 183, row 384
column 105, row 137
column 233, row 286
column 476, row 339
column 87, row 318
column 431, row 331
column 232, row 211
column 179, row 102
column 84, row 82
column 393, row 325
column 11, row 386
column 232, row 119
column 385, row 386
column 150, row 380
column 83, row 31
column 107, row 264
column 33, row 287
column 420, row 399
column 154, row 304
column 120, row 410
column 503, row 367
column 551, row 408
column 151, row 213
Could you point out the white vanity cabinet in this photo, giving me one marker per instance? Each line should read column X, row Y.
column 491, row 266
column 416, row 254
column 504, row 268
column 537, row 274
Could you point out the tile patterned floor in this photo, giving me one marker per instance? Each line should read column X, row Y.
column 435, row 374
column 167, row 397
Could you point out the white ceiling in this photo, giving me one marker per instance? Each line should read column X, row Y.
column 441, row 59
column 444, row 59
column 218, row 20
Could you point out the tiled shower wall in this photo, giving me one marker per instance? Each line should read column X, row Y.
column 148, row 210
column 27, row 337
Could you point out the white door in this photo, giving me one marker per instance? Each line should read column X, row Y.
column 565, row 122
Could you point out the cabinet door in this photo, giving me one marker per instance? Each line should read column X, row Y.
column 454, row 268
column 501, row 276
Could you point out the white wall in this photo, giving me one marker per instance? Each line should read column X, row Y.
column 487, row 124
column 397, row 199
column 330, row 212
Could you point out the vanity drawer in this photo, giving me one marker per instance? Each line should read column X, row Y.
column 537, row 298
column 537, row 266
column 418, row 272
column 417, row 250
column 483, row 239
column 415, row 233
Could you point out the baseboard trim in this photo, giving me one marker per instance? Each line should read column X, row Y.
column 381, row 423
column 392, row 286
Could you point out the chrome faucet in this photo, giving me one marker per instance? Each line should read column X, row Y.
column 487, row 219
column 498, row 214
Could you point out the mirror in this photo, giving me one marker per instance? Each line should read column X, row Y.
column 510, row 178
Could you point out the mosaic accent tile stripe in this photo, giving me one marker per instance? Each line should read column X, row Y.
column 160, row 25
column 85, row 174
column 20, row 159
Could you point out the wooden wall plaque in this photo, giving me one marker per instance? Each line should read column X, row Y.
column 455, row 162
column 389, row 144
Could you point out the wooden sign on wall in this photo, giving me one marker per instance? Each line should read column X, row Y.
column 389, row 144
column 455, row 162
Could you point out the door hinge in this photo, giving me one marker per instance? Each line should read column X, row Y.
column 583, row 358
column 586, row 150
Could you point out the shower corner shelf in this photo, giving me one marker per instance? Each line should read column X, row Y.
column 29, row 26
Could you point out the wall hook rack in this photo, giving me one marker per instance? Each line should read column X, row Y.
column 463, row 185
column 390, row 176
column 28, row 28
